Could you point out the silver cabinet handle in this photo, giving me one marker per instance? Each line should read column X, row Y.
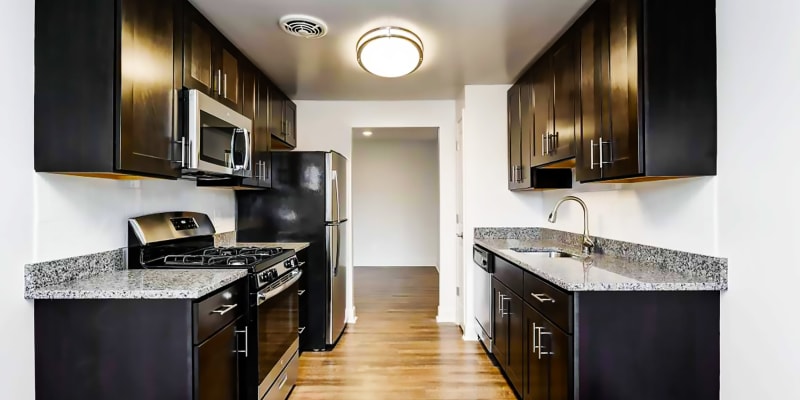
column 225, row 82
column 543, row 139
column 541, row 332
column 219, row 82
column 500, row 303
column 300, row 330
column 543, row 298
column 283, row 382
column 601, row 152
column 183, row 152
column 591, row 154
column 555, row 142
column 224, row 309
column 300, row 292
column 533, row 338
column 245, row 342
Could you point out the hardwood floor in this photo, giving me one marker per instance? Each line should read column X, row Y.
column 396, row 350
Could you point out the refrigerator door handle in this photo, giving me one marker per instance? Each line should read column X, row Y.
column 333, row 249
column 336, row 189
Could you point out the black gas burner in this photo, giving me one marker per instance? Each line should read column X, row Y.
column 223, row 256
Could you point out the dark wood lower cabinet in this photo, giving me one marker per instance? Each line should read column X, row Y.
column 134, row 349
column 657, row 345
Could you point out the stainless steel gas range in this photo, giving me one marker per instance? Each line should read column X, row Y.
column 185, row 240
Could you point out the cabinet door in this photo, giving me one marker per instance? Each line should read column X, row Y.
column 625, row 148
column 290, row 122
column 514, row 138
column 535, row 371
column 500, row 345
column 526, row 132
column 276, row 102
column 516, row 341
column 593, row 68
column 565, row 96
column 148, row 98
column 198, row 52
column 558, row 348
column 216, row 361
column 262, row 132
column 543, row 109
column 229, row 66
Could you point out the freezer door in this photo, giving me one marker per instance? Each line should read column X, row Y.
column 337, row 268
column 336, row 187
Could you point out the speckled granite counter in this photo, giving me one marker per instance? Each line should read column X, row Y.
column 296, row 246
column 642, row 268
column 142, row 284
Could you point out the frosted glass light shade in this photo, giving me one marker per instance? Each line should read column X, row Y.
column 389, row 52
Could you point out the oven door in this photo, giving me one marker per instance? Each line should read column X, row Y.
column 219, row 139
column 278, row 314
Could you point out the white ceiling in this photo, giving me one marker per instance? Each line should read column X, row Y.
column 414, row 134
column 466, row 42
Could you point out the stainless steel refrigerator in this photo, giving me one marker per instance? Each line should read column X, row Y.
column 307, row 203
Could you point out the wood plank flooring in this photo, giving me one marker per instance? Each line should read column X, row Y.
column 396, row 350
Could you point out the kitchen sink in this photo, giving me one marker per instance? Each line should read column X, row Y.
column 544, row 253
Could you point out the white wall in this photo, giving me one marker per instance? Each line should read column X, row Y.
column 327, row 125
column 487, row 200
column 395, row 203
column 758, row 103
column 99, row 208
column 677, row 214
column 16, row 205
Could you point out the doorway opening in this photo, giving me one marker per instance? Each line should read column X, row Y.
column 395, row 199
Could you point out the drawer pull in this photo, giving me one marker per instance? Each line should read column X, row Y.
column 543, row 298
column 224, row 309
column 246, row 345
column 300, row 292
column 301, row 329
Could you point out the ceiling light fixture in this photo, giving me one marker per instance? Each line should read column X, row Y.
column 367, row 133
column 389, row 52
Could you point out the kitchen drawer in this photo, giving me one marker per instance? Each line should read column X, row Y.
column 552, row 302
column 509, row 274
column 219, row 309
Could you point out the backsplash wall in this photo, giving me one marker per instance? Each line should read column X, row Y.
column 676, row 214
column 75, row 216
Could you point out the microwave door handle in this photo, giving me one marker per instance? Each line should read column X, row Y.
column 231, row 162
column 247, row 149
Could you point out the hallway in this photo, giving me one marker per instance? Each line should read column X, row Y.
column 396, row 350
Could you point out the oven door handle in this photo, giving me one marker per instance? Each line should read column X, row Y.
column 267, row 294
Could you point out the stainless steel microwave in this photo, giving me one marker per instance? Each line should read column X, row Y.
column 217, row 138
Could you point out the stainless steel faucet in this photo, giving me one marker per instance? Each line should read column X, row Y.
column 588, row 243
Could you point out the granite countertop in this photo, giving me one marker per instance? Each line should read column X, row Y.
column 296, row 246
column 599, row 272
column 142, row 284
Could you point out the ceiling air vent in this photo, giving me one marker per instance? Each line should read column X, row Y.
column 303, row 26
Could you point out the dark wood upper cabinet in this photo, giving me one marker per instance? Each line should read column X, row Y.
column 523, row 145
column 211, row 63
column 290, row 124
column 628, row 95
column 276, row 102
column 230, row 73
column 117, row 115
column 648, row 91
column 199, row 65
column 542, row 76
column 565, row 97
column 514, row 138
column 593, row 104
column 283, row 120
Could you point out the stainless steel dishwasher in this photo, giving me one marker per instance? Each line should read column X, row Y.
column 483, row 267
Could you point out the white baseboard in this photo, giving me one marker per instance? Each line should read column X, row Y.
column 446, row 315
